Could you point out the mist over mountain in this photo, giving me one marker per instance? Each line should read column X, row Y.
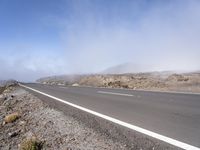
column 126, row 68
column 130, row 67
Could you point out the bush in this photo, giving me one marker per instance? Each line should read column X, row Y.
column 12, row 117
column 31, row 144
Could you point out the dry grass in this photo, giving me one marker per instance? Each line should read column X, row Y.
column 11, row 117
column 31, row 144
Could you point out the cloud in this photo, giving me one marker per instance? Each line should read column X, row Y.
column 29, row 67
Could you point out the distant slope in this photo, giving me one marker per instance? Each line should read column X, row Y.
column 7, row 82
column 60, row 79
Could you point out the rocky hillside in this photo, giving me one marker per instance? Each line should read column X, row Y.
column 164, row 81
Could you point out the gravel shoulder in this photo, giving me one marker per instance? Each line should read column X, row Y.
column 52, row 128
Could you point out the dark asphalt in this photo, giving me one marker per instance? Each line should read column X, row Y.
column 174, row 115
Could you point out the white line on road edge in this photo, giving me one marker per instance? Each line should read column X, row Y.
column 130, row 126
column 112, row 93
column 142, row 90
column 63, row 87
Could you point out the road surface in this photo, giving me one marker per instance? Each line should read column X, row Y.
column 174, row 115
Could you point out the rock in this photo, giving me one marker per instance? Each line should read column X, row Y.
column 1, row 96
column 5, row 98
column 75, row 84
column 3, row 123
column 13, row 134
column 9, row 101
column 22, row 122
column 1, row 117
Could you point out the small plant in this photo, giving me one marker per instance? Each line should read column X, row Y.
column 31, row 144
column 12, row 117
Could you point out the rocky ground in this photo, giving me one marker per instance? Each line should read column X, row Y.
column 27, row 123
column 157, row 81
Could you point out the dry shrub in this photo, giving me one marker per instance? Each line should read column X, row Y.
column 11, row 117
column 31, row 144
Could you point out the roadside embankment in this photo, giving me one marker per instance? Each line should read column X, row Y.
column 26, row 121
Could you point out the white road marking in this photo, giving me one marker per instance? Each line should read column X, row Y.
column 63, row 87
column 154, row 91
column 112, row 93
column 122, row 123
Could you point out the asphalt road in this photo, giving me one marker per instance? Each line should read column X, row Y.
column 175, row 115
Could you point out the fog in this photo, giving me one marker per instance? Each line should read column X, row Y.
column 93, row 37
column 164, row 37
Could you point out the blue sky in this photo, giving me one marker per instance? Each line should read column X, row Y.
column 47, row 37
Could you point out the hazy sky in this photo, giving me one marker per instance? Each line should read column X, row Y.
column 46, row 37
